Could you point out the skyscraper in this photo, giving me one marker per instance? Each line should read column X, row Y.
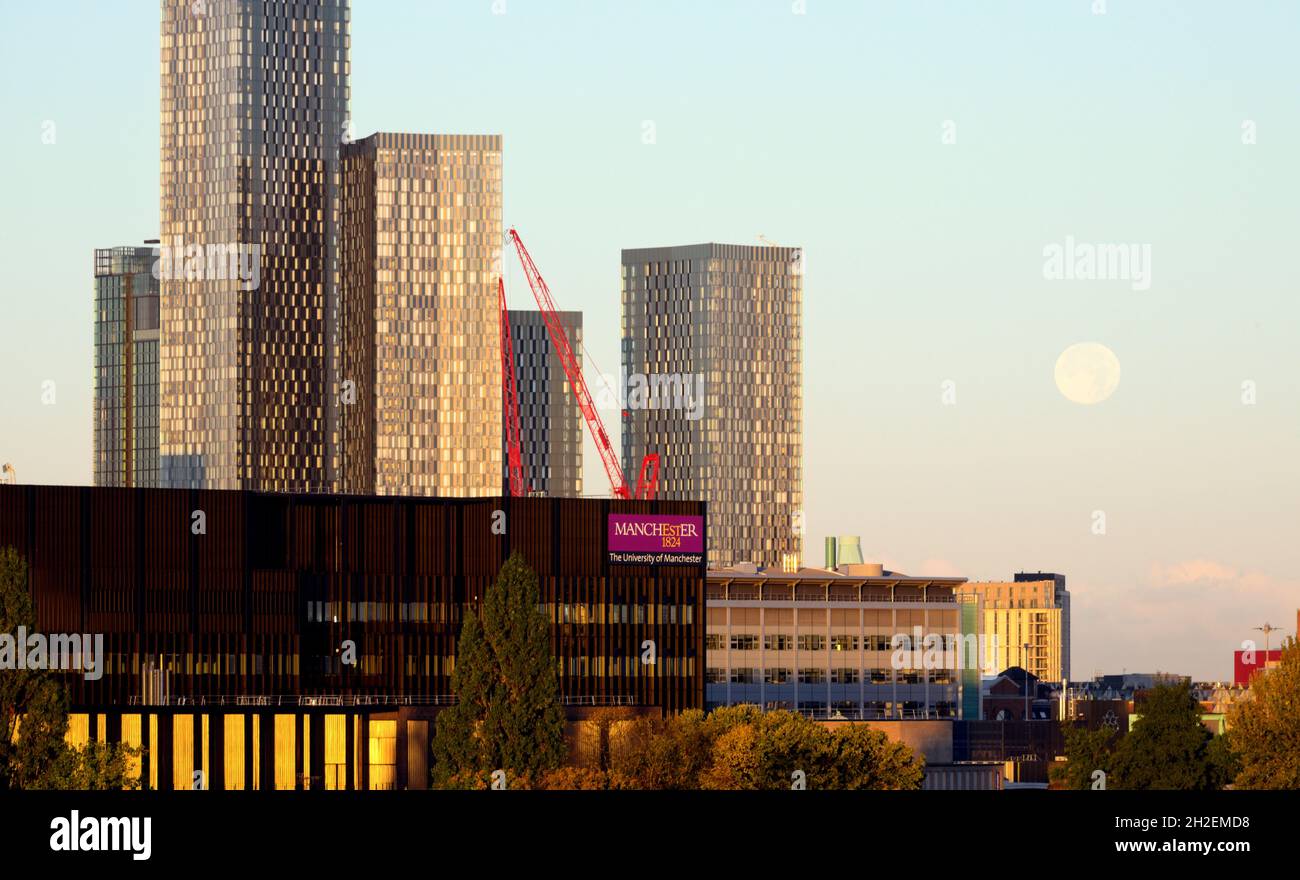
column 126, row 368
column 254, row 107
column 713, row 374
column 420, row 364
column 550, row 423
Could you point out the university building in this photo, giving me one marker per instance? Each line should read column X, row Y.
column 226, row 617
column 822, row 643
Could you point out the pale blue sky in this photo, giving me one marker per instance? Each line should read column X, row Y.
column 924, row 259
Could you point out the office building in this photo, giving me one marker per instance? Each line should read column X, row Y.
column 550, row 423
column 126, row 368
column 713, row 371
column 420, row 351
column 222, row 648
column 1029, row 619
column 828, row 644
column 254, row 107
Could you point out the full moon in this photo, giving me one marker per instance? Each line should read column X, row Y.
column 1087, row 373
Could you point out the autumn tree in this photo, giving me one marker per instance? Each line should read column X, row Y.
column 1264, row 729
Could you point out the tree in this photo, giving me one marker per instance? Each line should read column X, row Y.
column 742, row 748
column 508, row 714
column 1086, row 751
column 863, row 758
column 34, row 752
column 1168, row 747
column 1264, row 729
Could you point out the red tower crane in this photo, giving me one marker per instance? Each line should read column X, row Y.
column 648, row 480
column 510, row 398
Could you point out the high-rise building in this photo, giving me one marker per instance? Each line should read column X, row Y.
column 420, row 365
column 254, row 107
column 126, row 367
column 713, row 372
column 1032, row 610
column 550, row 423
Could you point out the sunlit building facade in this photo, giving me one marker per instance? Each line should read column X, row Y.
column 1030, row 616
column 126, row 368
column 254, row 107
column 824, row 644
column 722, row 323
column 550, row 423
column 421, row 364
column 223, row 649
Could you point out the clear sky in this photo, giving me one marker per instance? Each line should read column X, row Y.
column 925, row 259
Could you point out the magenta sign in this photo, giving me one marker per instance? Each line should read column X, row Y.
column 654, row 539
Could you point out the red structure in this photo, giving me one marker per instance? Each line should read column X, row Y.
column 510, row 400
column 648, row 480
column 1242, row 671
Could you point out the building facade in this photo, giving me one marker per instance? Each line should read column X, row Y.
column 254, row 107
column 1029, row 619
column 420, row 362
column 222, row 643
column 550, row 423
column 126, row 368
column 713, row 369
column 828, row 645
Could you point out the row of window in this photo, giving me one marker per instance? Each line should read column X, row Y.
column 819, row 675
column 803, row 642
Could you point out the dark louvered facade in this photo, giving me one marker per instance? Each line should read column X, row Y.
column 261, row 600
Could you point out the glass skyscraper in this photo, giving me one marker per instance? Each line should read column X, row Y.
column 254, row 108
column 550, row 423
column 713, row 373
column 126, row 368
column 420, row 362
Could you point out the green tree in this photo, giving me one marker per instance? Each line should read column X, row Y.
column 1086, row 751
column 508, row 714
column 1264, row 729
column 1168, row 747
column 863, row 758
column 34, row 752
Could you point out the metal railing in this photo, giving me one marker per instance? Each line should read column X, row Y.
column 308, row 700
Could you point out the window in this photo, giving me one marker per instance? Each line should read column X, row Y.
column 777, row 675
column 744, row 676
column 778, row 643
column 844, row 676
column 744, row 642
column 812, row 642
column 812, row 676
column 844, row 643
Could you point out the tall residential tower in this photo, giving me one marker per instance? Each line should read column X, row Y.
column 550, row 423
column 713, row 373
column 420, row 365
column 126, row 368
column 254, row 107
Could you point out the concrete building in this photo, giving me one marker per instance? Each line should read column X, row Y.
column 825, row 644
column 254, row 106
column 420, row 362
column 126, row 368
column 1033, row 611
column 550, row 423
column 713, row 371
